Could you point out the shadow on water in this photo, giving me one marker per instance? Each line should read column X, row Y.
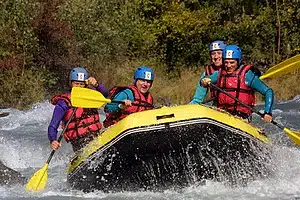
column 9, row 177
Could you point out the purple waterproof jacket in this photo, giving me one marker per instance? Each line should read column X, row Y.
column 59, row 112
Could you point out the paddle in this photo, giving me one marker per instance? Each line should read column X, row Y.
column 39, row 180
column 4, row 114
column 283, row 67
column 294, row 136
column 87, row 98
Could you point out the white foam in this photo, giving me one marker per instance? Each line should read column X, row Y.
column 40, row 113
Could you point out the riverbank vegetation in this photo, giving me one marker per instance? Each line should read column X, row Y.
column 42, row 40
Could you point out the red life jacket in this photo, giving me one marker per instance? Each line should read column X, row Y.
column 235, row 85
column 85, row 120
column 139, row 98
column 209, row 70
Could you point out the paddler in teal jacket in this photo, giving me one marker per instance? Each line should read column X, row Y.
column 240, row 81
column 215, row 50
column 136, row 97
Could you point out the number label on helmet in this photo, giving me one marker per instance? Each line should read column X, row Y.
column 229, row 54
column 215, row 46
column 80, row 76
column 148, row 75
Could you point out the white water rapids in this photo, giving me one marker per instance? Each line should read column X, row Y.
column 25, row 147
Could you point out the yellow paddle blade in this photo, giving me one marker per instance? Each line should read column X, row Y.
column 283, row 67
column 295, row 136
column 39, row 180
column 87, row 98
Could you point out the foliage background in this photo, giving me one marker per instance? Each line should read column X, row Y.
column 41, row 40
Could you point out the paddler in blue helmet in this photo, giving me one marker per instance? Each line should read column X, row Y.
column 241, row 81
column 136, row 97
column 85, row 124
column 215, row 51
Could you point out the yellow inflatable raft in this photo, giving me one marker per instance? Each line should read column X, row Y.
column 171, row 147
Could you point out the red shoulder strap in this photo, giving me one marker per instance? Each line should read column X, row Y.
column 66, row 97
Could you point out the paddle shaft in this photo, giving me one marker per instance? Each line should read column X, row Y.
column 135, row 104
column 295, row 136
column 251, row 108
column 61, row 135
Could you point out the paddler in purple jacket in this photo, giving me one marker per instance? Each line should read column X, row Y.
column 85, row 123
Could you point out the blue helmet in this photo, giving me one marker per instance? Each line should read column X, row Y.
column 78, row 74
column 144, row 73
column 217, row 45
column 232, row 51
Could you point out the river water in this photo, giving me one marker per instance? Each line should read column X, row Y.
column 25, row 147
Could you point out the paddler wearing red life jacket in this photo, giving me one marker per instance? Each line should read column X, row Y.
column 215, row 50
column 85, row 123
column 241, row 81
column 136, row 97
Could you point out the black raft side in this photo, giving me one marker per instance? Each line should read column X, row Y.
column 173, row 155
